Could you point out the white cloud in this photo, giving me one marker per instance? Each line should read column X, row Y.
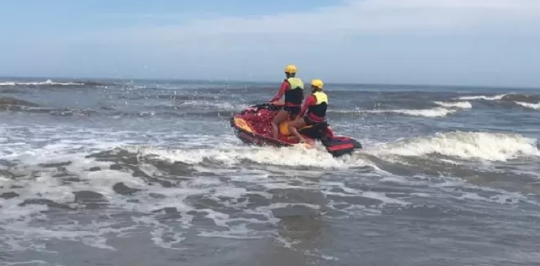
column 432, row 41
column 377, row 16
column 363, row 16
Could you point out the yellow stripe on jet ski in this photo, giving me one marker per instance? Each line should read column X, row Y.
column 241, row 123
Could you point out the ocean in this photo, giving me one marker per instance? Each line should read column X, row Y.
column 123, row 172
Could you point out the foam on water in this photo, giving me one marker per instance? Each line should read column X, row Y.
column 20, row 235
column 483, row 97
column 131, row 191
column 535, row 106
column 466, row 145
column 235, row 155
column 71, row 156
column 30, row 262
column 225, row 106
column 461, row 105
column 452, row 189
column 41, row 83
column 434, row 112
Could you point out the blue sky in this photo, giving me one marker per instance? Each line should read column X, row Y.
column 476, row 42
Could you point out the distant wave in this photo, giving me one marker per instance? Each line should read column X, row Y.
column 434, row 112
column 444, row 109
column 40, row 83
column 510, row 100
column 483, row 97
column 16, row 105
column 466, row 145
column 52, row 83
column 526, row 98
column 462, row 105
column 508, row 97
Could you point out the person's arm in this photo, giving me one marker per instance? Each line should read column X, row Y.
column 282, row 90
column 309, row 102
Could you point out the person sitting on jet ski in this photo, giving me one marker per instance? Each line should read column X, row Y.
column 293, row 88
column 315, row 105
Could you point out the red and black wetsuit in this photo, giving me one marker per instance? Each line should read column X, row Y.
column 293, row 89
column 315, row 105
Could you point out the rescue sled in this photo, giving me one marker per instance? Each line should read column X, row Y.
column 253, row 126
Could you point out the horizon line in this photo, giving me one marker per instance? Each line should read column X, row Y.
column 267, row 81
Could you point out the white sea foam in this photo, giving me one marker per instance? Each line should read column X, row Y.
column 384, row 198
column 29, row 262
column 91, row 234
column 289, row 156
column 433, row 112
column 43, row 184
column 41, row 83
column 226, row 106
column 232, row 163
column 483, row 97
column 535, row 106
column 466, row 145
column 480, row 194
column 461, row 105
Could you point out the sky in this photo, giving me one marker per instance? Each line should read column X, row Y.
column 447, row 42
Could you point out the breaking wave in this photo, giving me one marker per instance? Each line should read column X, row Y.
column 230, row 156
column 445, row 109
column 461, row 105
column 466, row 145
column 434, row 112
column 41, row 83
column 528, row 98
column 53, row 83
column 461, row 145
column 483, row 97
column 535, row 106
column 524, row 100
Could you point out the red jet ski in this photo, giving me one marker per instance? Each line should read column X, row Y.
column 253, row 126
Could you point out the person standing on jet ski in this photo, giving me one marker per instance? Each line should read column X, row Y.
column 293, row 88
column 315, row 105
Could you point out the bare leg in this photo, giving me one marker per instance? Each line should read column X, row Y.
column 298, row 123
column 293, row 116
column 280, row 117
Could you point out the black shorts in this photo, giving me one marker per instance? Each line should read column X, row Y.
column 292, row 110
column 310, row 122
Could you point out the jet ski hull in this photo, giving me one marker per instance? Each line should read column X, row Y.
column 253, row 126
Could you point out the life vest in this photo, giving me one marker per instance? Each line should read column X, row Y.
column 296, row 93
column 322, row 103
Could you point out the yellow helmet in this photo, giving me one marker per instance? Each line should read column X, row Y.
column 317, row 83
column 291, row 69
